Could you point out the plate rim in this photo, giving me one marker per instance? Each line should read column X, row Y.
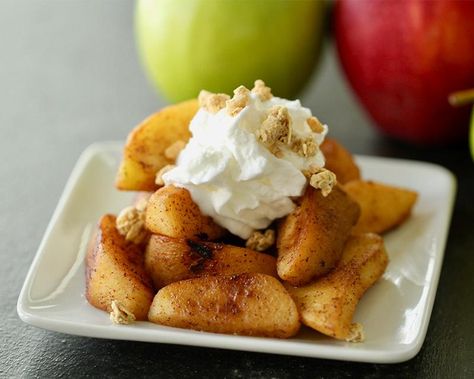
column 215, row 340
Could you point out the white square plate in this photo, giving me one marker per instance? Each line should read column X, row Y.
column 395, row 312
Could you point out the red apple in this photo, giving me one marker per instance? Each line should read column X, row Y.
column 403, row 58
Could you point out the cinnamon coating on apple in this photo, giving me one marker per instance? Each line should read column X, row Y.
column 184, row 275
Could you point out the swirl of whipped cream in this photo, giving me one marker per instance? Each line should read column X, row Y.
column 233, row 176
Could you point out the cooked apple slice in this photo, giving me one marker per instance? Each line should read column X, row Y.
column 311, row 238
column 115, row 271
column 168, row 260
column 144, row 153
column 383, row 207
column 339, row 161
column 328, row 304
column 172, row 212
column 246, row 304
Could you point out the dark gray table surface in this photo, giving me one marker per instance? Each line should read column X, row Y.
column 69, row 76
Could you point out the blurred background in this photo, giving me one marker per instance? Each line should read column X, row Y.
column 71, row 74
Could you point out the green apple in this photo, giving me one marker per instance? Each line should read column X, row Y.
column 217, row 45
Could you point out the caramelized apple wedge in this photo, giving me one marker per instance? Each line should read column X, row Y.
column 311, row 238
column 168, row 260
column 339, row 161
column 383, row 207
column 246, row 304
column 144, row 153
column 172, row 212
column 328, row 304
column 115, row 271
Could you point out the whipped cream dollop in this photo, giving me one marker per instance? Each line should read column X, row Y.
column 236, row 172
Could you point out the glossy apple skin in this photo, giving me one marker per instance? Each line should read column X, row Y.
column 403, row 58
column 191, row 45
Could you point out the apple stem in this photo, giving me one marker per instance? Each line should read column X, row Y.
column 471, row 134
column 461, row 98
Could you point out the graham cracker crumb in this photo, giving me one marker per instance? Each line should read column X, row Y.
column 275, row 129
column 315, row 125
column 313, row 169
column 130, row 223
column 306, row 147
column 324, row 180
column 120, row 314
column 212, row 102
column 263, row 92
column 261, row 241
column 239, row 101
column 174, row 149
column 356, row 333
column 159, row 175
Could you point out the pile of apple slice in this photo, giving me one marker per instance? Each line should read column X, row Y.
column 190, row 273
